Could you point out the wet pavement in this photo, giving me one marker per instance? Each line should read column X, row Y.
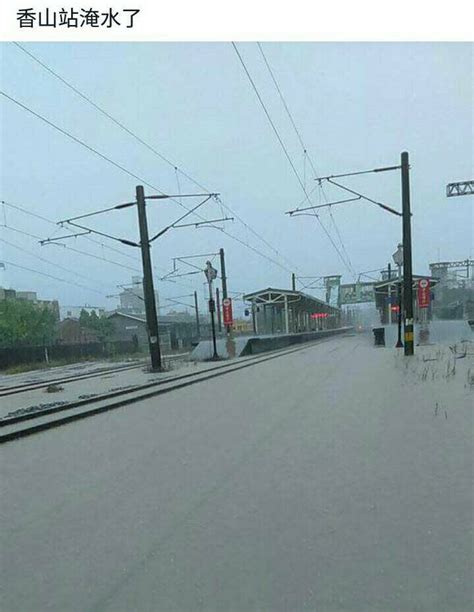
column 336, row 478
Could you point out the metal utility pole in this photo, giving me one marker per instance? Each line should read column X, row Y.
column 224, row 286
column 293, row 281
column 148, row 289
column 196, row 308
column 218, row 309
column 407, row 258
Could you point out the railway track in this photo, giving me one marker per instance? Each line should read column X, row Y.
column 23, row 425
column 32, row 386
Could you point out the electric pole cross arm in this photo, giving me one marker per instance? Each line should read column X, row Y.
column 189, row 212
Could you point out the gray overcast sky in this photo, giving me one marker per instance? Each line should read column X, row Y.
column 356, row 105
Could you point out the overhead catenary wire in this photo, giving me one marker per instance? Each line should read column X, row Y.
column 74, row 250
column 61, row 280
column 257, row 93
column 87, row 254
column 302, row 184
column 148, row 184
column 48, row 261
column 275, row 82
column 152, row 149
column 305, row 151
column 51, row 222
column 91, row 149
column 277, row 134
column 338, row 232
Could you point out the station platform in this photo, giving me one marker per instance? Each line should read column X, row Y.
column 253, row 345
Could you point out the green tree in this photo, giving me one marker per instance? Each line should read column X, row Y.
column 24, row 323
column 101, row 325
column 84, row 318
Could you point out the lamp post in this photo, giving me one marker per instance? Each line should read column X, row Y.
column 211, row 274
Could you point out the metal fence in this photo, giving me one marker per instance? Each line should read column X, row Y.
column 20, row 355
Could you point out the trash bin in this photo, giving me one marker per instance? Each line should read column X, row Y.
column 379, row 336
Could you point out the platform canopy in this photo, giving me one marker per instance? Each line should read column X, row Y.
column 381, row 286
column 386, row 294
column 286, row 311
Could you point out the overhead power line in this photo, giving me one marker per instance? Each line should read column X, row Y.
column 160, row 155
column 73, row 249
column 305, row 152
column 51, row 222
column 61, row 280
column 46, row 220
column 130, row 173
column 286, row 108
column 78, row 140
column 48, row 261
column 302, row 185
column 257, row 93
column 64, row 246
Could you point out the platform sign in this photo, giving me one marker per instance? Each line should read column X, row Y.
column 356, row 293
column 227, row 311
column 424, row 293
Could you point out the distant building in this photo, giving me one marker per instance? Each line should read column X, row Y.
column 27, row 295
column 30, row 296
column 7, row 294
column 176, row 333
column 134, row 328
column 74, row 312
column 132, row 300
column 71, row 332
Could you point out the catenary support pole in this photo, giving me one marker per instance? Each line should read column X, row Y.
column 225, row 295
column 196, row 308
column 407, row 257
column 148, row 289
column 293, row 281
column 218, row 309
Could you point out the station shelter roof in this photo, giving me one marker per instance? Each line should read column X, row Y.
column 393, row 282
column 295, row 299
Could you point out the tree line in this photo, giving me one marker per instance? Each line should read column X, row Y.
column 24, row 323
